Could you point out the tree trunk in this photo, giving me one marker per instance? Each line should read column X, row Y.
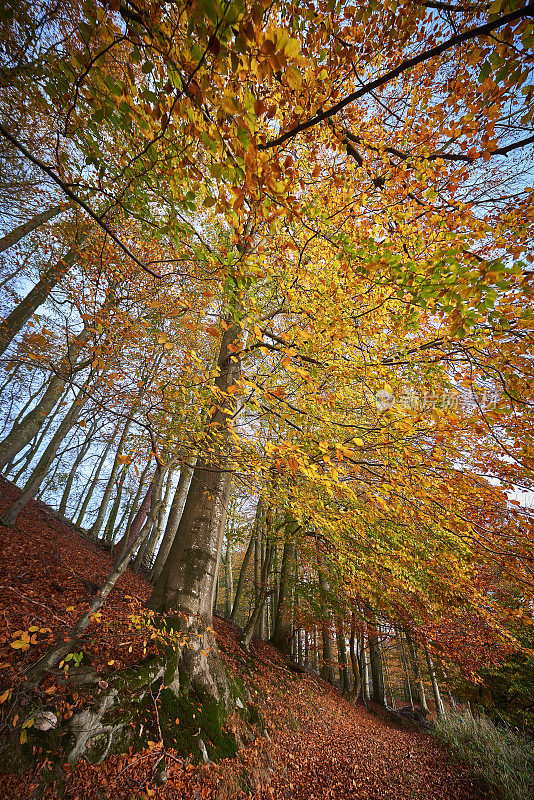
column 104, row 502
column 110, row 524
column 440, row 708
column 185, row 589
column 156, row 501
column 377, row 673
column 244, row 565
column 173, row 520
column 343, row 660
column 357, row 690
column 364, row 671
column 252, row 623
column 72, row 474
column 32, row 224
column 23, row 432
column 283, row 633
column 327, row 666
column 420, row 686
column 20, row 315
column 93, row 480
column 9, row 517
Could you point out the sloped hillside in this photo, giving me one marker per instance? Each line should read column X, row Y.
column 308, row 741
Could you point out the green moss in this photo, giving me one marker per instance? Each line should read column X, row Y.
column 186, row 719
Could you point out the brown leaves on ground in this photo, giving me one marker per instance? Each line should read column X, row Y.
column 320, row 747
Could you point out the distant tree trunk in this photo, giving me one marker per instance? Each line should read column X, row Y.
column 140, row 516
column 156, row 501
column 229, row 578
column 9, row 517
column 440, row 708
column 252, row 623
column 23, row 432
column 342, row 650
column 110, row 524
column 408, row 696
column 135, row 501
column 94, row 531
column 242, row 577
column 282, row 634
column 420, row 686
column 364, row 671
column 376, row 664
column 30, row 225
column 327, row 666
column 357, row 690
column 173, row 520
column 93, row 480
column 158, row 527
column 20, row 315
column 74, row 470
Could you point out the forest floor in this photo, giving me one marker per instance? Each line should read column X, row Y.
column 319, row 746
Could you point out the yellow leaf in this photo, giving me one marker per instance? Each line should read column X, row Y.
column 359, row 442
column 23, row 737
column 5, row 695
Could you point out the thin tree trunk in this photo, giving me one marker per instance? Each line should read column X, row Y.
column 440, row 708
column 252, row 623
column 419, row 683
column 59, row 651
column 72, row 474
column 242, row 578
column 93, row 481
column 110, row 524
column 156, row 500
column 9, row 517
column 104, row 502
column 20, row 315
column 353, row 644
column 32, row 224
column 23, row 432
column 327, row 666
column 343, row 660
column 173, row 520
column 364, row 671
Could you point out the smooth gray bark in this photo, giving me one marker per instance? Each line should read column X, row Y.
column 30, row 225
column 283, row 629
column 20, row 315
column 9, row 517
column 104, row 502
column 173, row 520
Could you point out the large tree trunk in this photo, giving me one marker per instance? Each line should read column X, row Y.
column 30, row 225
column 185, row 590
column 20, row 315
column 283, row 628
column 9, row 517
column 173, row 520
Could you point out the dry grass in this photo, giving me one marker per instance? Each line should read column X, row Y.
column 499, row 755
